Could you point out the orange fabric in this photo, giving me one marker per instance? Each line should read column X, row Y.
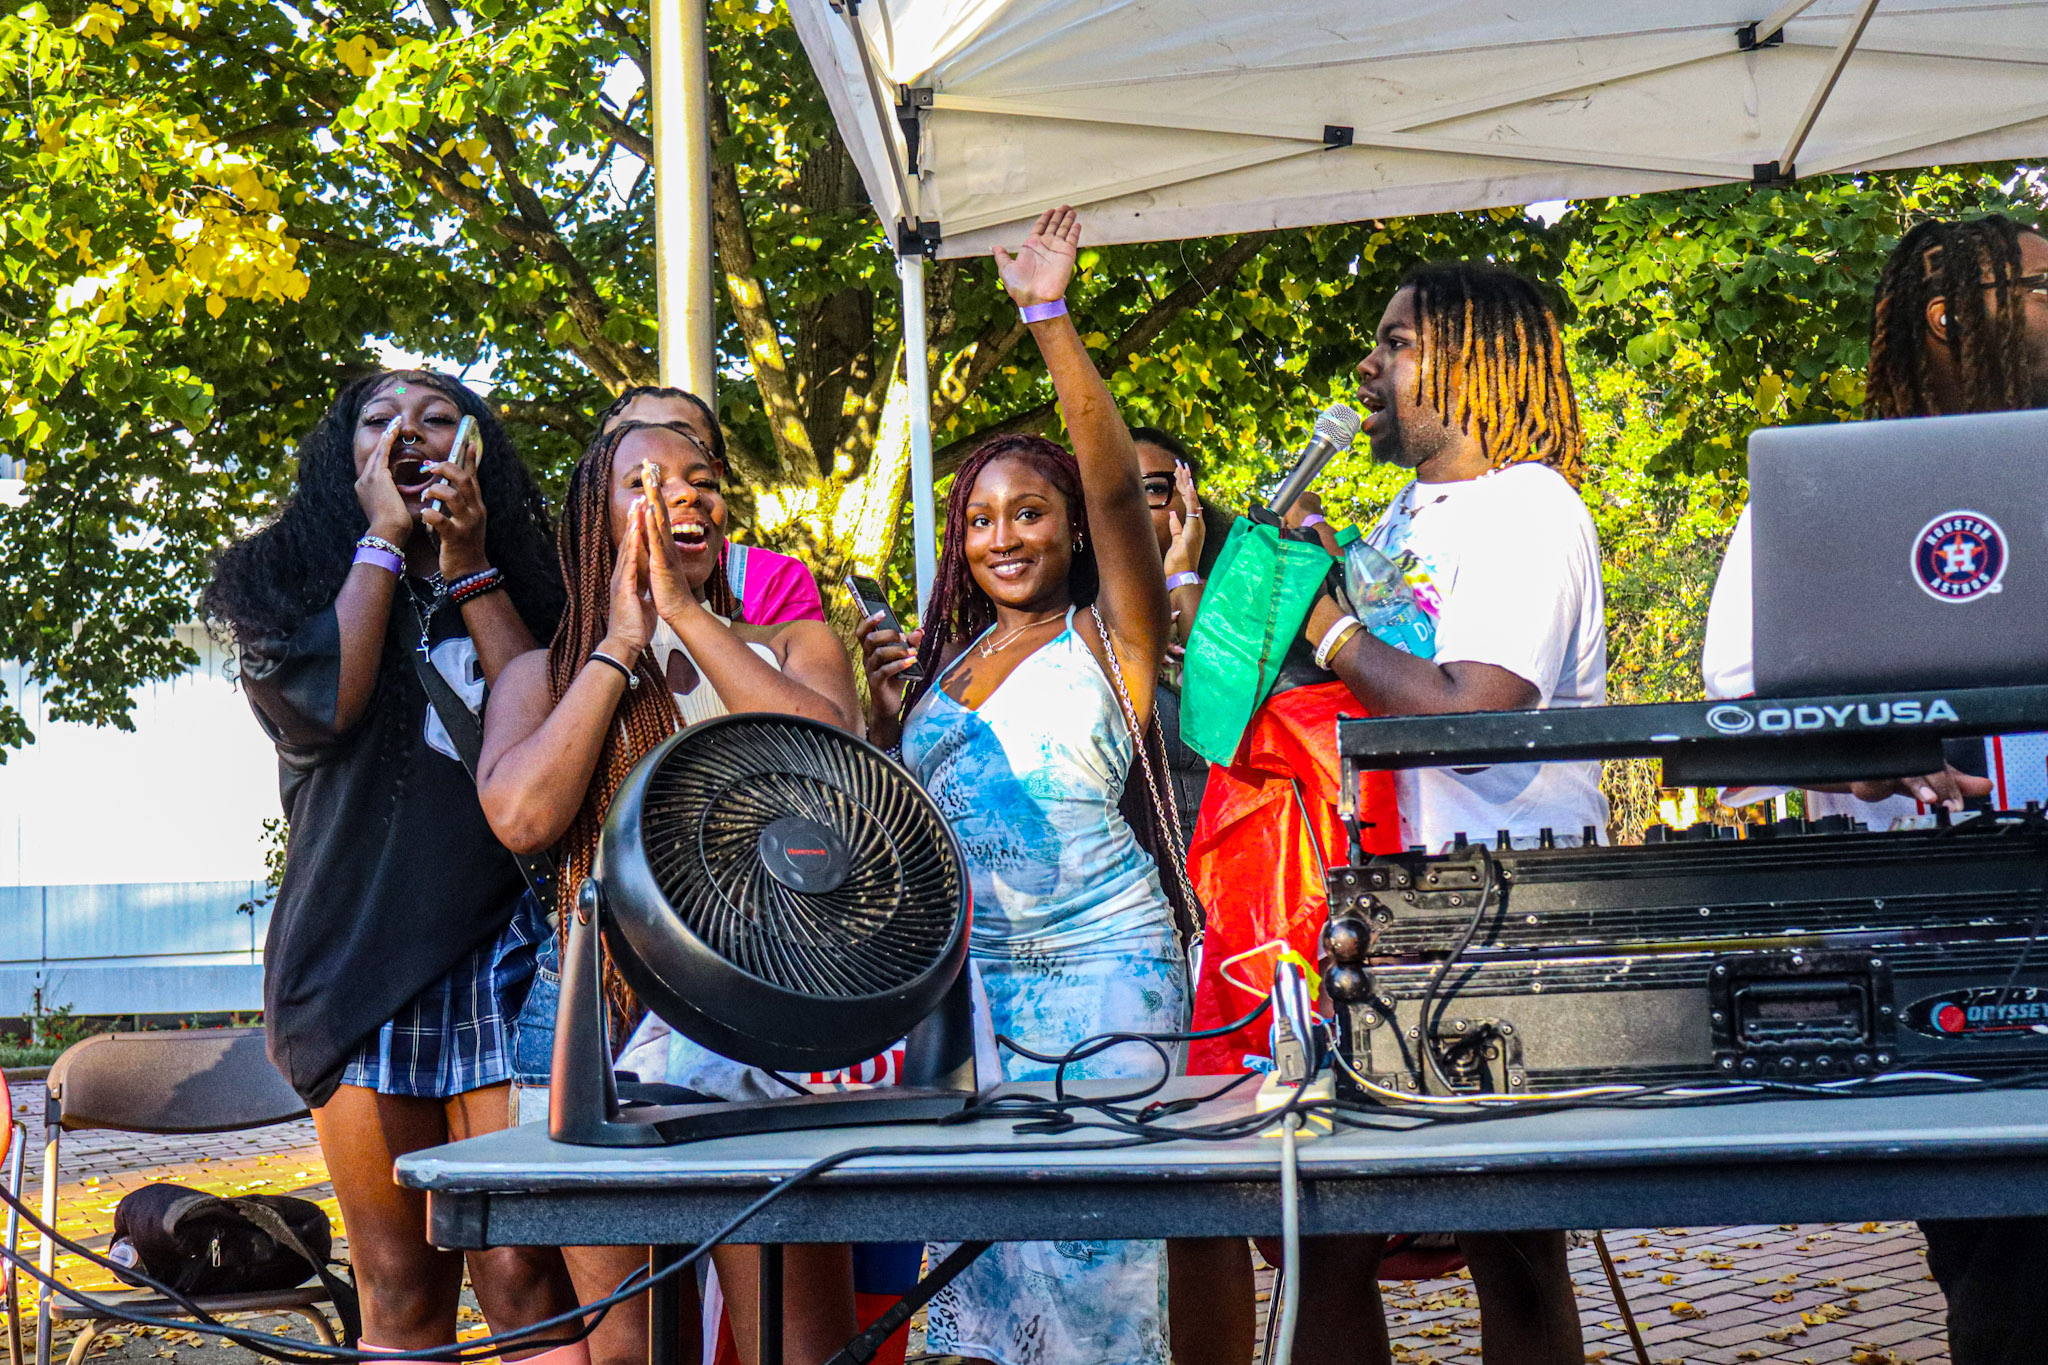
column 1254, row 862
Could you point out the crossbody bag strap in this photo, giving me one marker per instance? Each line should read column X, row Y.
column 1165, row 810
column 466, row 732
column 339, row 1291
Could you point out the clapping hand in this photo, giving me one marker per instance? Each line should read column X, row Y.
column 1041, row 269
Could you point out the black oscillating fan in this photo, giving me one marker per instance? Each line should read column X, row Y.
column 783, row 894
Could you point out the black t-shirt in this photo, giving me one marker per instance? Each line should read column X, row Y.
column 392, row 874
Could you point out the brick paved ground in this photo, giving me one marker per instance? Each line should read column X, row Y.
column 1703, row 1296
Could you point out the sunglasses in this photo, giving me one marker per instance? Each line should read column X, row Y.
column 2036, row 283
column 1159, row 490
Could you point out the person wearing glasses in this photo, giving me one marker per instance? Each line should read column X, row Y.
column 1960, row 324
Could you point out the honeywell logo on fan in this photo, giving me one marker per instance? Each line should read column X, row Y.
column 1731, row 718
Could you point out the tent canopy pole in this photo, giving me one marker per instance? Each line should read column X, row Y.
column 917, row 377
column 685, row 311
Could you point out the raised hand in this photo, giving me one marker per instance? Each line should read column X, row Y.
column 377, row 494
column 1190, row 533
column 1041, row 269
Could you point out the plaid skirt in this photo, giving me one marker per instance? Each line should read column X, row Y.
column 455, row 1036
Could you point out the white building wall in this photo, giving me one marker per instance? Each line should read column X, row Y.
column 125, row 856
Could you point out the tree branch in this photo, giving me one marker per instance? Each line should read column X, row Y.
column 740, row 266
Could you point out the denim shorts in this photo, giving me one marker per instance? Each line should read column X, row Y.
column 533, row 1032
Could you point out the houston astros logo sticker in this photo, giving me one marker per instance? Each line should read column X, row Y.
column 1959, row 557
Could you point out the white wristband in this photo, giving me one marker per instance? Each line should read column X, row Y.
column 1339, row 631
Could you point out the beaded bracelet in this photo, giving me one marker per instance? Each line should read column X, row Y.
column 373, row 541
column 475, row 585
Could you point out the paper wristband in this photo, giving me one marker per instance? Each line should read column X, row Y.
column 383, row 559
column 1184, row 580
column 1043, row 312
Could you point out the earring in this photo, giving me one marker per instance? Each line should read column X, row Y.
column 1077, row 544
column 1944, row 319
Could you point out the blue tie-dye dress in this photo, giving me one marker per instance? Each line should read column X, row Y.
column 1073, row 937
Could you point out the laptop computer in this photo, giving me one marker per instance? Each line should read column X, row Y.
column 1900, row 555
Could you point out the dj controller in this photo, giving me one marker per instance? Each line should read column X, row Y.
column 1808, row 952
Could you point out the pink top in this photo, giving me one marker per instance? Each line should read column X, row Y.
column 772, row 587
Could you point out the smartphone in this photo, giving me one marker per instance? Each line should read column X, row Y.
column 868, row 594
column 463, row 453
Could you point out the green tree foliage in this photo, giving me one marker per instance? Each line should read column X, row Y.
column 1745, row 307
column 212, row 210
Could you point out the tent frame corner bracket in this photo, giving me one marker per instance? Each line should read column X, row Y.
column 910, row 100
column 1769, row 175
column 1746, row 39
column 1338, row 135
column 918, row 238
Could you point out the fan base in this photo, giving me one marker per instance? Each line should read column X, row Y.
column 836, row 1109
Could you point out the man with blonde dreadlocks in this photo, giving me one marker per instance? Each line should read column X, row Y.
column 1466, row 385
column 1960, row 325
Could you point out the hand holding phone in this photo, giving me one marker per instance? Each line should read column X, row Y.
column 462, row 454
column 868, row 595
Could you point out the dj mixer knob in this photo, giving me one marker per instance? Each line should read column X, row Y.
column 1347, row 940
column 1349, row 985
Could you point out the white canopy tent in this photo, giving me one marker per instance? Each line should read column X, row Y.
column 1178, row 118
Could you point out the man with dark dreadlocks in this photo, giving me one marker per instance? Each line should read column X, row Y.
column 1960, row 325
column 1466, row 385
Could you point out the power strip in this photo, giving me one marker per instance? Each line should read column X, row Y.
column 1275, row 1093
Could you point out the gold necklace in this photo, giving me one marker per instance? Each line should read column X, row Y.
column 990, row 651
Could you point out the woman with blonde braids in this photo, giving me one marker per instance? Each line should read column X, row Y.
column 650, row 642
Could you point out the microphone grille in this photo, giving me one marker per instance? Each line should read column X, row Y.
column 1339, row 426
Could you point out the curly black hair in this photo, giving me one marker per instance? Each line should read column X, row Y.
column 268, row 583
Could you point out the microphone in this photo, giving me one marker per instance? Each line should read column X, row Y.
column 1335, row 430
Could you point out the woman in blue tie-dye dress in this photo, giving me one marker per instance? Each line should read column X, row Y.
column 1049, row 602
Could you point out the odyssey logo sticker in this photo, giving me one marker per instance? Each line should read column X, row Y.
column 1979, row 1011
column 1739, row 718
column 1731, row 720
column 1959, row 557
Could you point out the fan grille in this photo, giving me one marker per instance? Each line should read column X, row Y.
column 885, row 924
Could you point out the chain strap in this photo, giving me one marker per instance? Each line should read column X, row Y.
column 1165, row 810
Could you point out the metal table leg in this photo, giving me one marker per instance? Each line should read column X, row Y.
column 664, row 1309
column 771, row 1305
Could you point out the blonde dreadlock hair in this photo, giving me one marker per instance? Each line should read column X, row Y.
column 646, row 714
column 1493, row 363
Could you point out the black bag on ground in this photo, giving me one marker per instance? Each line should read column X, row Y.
column 201, row 1244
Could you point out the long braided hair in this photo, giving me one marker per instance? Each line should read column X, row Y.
column 1966, row 265
column 959, row 611
column 1493, row 362
column 646, row 714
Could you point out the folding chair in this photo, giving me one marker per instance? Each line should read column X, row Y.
column 176, row 1081
column 13, row 1142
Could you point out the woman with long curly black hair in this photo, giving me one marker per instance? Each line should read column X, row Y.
column 402, row 939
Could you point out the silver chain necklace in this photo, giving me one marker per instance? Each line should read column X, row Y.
column 990, row 651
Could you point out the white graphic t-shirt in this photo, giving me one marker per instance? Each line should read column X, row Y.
column 1508, row 564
